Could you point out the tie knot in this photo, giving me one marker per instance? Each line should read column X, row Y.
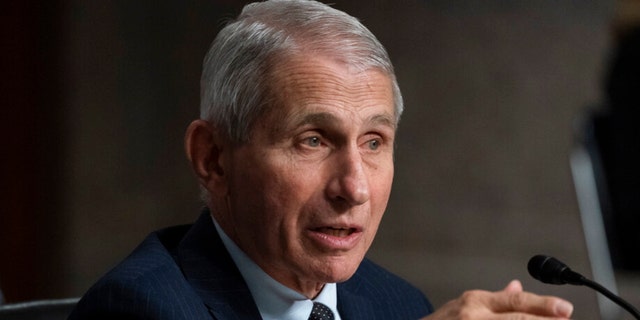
column 321, row 312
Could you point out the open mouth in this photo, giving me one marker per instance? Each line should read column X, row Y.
column 336, row 232
column 332, row 238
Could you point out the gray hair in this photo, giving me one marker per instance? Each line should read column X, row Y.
column 235, row 78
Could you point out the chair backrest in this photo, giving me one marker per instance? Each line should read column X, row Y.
column 595, row 210
column 56, row 309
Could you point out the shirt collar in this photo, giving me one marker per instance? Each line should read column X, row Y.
column 275, row 300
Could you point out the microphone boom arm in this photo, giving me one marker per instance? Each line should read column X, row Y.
column 550, row 270
column 619, row 301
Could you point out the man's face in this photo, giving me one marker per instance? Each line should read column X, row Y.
column 307, row 192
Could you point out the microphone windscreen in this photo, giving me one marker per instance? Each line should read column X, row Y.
column 547, row 269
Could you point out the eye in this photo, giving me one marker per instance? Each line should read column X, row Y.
column 374, row 144
column 313, row 141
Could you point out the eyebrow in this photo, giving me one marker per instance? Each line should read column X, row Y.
column 385, row 119
column 315, row 118
column 328, row 118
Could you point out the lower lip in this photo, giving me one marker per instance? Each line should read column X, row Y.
column 333, row 243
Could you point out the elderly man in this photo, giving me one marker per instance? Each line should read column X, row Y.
column 294, row 153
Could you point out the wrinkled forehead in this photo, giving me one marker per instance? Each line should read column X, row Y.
column 320, row 79
column 321, row 85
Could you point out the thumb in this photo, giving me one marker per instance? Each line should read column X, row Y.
column 513, row 286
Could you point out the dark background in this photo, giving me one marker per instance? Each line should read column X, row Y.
column 97, row 95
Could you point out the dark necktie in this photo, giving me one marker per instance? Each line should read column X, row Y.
column 321, row 312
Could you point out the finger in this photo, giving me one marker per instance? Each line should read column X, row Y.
column 520, row 316
column 513, row 286
column 526, row 302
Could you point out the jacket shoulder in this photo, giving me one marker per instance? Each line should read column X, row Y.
column 148, row 284
column 392, row 296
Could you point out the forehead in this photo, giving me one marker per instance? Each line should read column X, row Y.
column 316, row 82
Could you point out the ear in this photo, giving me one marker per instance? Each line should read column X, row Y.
column 204, row 146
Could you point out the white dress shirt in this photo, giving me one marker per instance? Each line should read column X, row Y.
column 274, row 300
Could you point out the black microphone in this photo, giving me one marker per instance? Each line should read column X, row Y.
column 550, row 270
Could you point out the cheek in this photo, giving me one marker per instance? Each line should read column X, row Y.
column 292, row 183
column 380, row 191
column 380, row 187
column 277, row 194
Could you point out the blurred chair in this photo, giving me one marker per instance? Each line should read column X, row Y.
column 57, row 309
column 593, row 202
column 605, row 164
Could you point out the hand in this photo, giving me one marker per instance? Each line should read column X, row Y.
column 510, row 303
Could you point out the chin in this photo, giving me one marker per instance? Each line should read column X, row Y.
column 339, row 271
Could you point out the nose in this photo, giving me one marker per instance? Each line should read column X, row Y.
column 349, row 183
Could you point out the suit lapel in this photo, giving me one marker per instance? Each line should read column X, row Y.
column 351, row 305
column 210, row 270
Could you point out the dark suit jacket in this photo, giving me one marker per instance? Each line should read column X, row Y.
column 185, row 272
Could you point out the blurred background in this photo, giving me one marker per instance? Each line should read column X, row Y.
column 96, row 96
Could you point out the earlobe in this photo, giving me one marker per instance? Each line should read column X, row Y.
column 204, row 147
